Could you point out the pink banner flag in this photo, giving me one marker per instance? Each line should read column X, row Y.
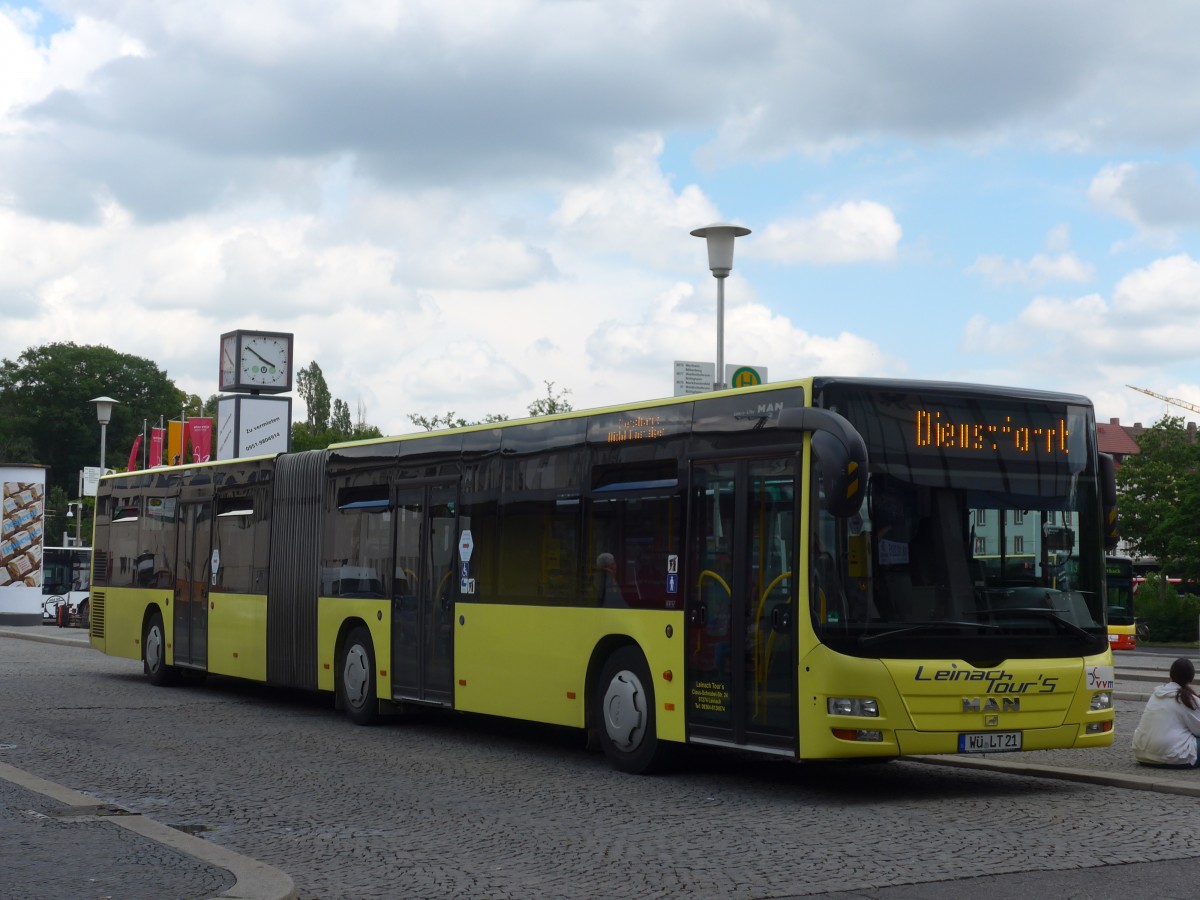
column 133, row 455
column 157, row 436
column 200, row 431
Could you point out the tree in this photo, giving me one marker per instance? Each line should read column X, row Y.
column 311, row 386
column 46, row 416
column 1158, row 498
column 543, row 406
column 340, row 422
column 328, row 419
column 552, row 403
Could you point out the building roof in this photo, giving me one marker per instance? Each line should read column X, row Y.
column 1115, row 439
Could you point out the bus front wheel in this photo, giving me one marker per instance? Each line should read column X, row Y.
column 356, row 679
column 624, row 698
column 154, row 652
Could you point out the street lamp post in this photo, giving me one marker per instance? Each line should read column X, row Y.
column 76, row 505
column 104, row 407
column 720, row 260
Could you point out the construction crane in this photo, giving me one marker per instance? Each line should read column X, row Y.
column 1174, row 400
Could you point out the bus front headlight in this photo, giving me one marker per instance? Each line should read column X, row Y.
column 1101, row 700
column 853, row 706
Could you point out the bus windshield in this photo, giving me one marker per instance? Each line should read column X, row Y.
column 65, row 570
column 1120, row 590
column 967, row 546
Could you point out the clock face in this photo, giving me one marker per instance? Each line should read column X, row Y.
column 264, row 361
column 256, row 361
column 229, row 363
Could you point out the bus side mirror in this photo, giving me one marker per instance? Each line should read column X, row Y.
column 1108, row 499
column 842, row 455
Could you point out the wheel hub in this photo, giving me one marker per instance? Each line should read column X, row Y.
column 355, row 677
column 625, row 711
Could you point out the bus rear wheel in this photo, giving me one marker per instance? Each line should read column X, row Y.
column 624, row 714
column 356, row 679
column 154, row 652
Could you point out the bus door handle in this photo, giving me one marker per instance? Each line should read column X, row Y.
column 698, row 615
column 781, row 618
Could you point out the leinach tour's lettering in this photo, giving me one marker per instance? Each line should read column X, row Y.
column 989, row 437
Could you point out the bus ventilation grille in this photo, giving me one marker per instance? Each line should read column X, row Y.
column 97, row 614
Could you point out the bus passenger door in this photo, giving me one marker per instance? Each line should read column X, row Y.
column 423, row 593
column 192, row 584
column 740, row 612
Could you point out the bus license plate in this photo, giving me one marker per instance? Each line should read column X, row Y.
column 989, row 742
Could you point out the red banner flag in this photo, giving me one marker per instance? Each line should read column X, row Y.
column 200, row 431
column 157, row 436
column 133, row 454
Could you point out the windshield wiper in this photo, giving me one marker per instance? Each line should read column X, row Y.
column 923, row 627
column 1042, row 613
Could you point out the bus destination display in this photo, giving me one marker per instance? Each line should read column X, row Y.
column 958, row 430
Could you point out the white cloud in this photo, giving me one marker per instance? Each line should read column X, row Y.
column 29, row 71
column 862, row 231
column 1151, row 320
column 1155, row 197
column 1041, row 268
column 633, row 208
column 1165, row 292
column 449, row 202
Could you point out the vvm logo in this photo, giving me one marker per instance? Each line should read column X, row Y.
column 745, row 377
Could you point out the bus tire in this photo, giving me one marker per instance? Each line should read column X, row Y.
column 356, row 678
column 85, row 614
column 624, row 714
column 154, row 653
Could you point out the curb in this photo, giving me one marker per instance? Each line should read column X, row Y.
column 1131, row 782
column 84, row 641
column 254, row 880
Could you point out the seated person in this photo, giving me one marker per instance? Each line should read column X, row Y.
column 1169, row 732
column 610, row 588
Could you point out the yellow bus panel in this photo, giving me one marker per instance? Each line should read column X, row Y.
column 334, row 616
column 531, row 662
column 237, row 635
column 925, row 705
column 124, row 611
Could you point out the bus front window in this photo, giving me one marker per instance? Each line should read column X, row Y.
column 961, row 556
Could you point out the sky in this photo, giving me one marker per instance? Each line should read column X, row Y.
column 452, row 202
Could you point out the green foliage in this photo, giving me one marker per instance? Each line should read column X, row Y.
column 543, row 406
column 552, row 403
column 45, row 416
column 340, row 421
column 57, row 524
column 1158, row 498
column 311, row 386
column 1172, row 618
column 433, row 423
column 329, row 419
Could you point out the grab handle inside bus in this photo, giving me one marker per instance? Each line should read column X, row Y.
column 1108, row 498
column 842, row 455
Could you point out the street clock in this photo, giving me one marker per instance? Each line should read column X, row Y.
column 256, row 362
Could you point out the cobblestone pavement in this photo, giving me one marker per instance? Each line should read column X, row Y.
column 52, row 851
column 455, row 806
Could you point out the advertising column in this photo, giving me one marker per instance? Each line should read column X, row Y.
column 22, row 537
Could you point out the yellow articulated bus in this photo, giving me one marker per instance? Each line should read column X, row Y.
column 1122, row 625
column 791, row 570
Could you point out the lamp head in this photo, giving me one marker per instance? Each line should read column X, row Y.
column 720, row 245
column 104, row 407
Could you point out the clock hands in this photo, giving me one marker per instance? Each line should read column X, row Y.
column 260, row 356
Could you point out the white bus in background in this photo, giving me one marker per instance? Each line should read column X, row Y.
column 66, row 579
